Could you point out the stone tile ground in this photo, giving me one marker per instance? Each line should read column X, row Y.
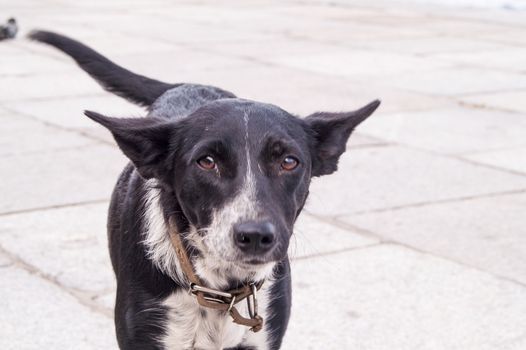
column 418, row 242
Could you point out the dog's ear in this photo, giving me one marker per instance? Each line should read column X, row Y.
column 145, row 141
column 331, row 131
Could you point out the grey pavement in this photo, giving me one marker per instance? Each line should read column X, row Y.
column 418, row 242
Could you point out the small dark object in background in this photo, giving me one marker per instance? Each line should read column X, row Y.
column 9, row 30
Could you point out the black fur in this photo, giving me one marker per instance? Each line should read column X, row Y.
column 113, row 78
column 186, row 124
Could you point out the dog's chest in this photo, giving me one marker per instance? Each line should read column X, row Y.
column 190, row 326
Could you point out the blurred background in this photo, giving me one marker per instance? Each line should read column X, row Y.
column 418, row 242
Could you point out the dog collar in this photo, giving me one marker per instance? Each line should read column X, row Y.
column 216, row 299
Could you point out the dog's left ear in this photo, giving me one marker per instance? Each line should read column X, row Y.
column 145, row 141
column 332, row 130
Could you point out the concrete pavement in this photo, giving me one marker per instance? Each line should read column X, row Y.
column 418, row 242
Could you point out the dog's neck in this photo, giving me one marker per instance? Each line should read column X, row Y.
column 214, row 271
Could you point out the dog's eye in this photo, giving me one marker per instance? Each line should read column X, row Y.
column 207, row 163
column 289, row 163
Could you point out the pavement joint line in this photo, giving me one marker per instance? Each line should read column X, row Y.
column 333, row 252
column 453, row 156
column 428, row 11
column 484, row 21
column 49, row 151
column 54, row 207
column 492, row 92
column 499, row 149
column 54, row 97
column 470, row 65
column 83, row 297
column 30, row 50
column 453, row 97
column 384, row 241
column 60, row 127
column 431, row 203
column 509, row 42
column 481, row 106
column 489, row 166
column 446, row 258
column 333, row 221
column 369, row 145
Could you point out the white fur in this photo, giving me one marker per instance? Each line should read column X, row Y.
column 159, row 248
column 189, row 329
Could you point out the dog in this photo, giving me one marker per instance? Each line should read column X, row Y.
column 200, row 219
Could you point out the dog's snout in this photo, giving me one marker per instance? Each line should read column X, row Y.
column 255, row 237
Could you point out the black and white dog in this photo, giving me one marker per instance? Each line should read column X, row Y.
column 233, row 175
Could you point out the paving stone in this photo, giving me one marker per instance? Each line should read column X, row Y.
column 487, row 232
column 23, row 65
column 359, row 63
column 47, row 86
column 175, row 66
column 512, row 159
column 360, row 141
column 511, row 101
column 115, row 43
column 317, row 10
column 59, row 178
column 315, row 237
column 68, row 244
column 390, row 297
column 511, row 59
column 510, row 37
column 349, row 33
column 454, row 131
column 264, row 50
column 69, row 112
column 9, row 48
column 459, row 27
column 169, row 30
column 386, row 177
column 38, row 315
column 424, row 47
column 457, row 81
column 17, row 128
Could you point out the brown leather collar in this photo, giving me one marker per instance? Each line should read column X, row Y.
column 215, row 299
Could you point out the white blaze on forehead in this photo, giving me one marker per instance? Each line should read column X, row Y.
column 248, row 192
column 240, row 208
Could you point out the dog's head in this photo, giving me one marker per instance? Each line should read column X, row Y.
column 239, row 170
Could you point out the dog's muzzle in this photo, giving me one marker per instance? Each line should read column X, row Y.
column 216, row 299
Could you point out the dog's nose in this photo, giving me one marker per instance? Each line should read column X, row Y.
column 255, row 237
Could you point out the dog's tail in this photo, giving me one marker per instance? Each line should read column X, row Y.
column 112, row 77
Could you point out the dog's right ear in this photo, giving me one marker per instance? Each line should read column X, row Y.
column 332, row 130
column 145, row 141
